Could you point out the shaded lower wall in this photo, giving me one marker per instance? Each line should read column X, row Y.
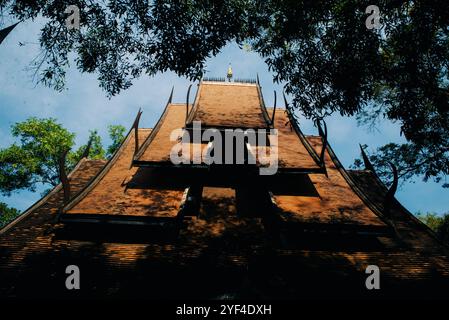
column 222, row 266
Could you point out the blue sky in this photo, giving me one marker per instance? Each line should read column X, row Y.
column 83, row 106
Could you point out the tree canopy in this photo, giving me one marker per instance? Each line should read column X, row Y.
column 7, row 214
column 34, row 158
column 322, row 50
column 117, row 135
column 438, row 223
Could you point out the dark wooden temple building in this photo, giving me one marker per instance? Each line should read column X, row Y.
column 142, row 226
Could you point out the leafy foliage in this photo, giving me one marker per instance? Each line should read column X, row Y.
column 322, row 50
column 96, row 150
column 410, row 161
column 35, row 159
column 7, row 214
column 438, row 223
column 117, row 135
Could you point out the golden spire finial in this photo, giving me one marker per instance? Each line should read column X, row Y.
column 229, row 75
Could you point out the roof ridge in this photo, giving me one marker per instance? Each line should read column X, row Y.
column 97, row 178
column 146, row 143
column 219, row 83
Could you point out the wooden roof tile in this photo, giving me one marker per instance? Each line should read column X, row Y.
column 158, row 145
column 224, row 104
column 111, row 194
column 335, row 202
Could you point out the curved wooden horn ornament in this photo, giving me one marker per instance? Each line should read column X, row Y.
column 274, row 109
column 368, row 165
column 285, row 101
column 389, row 197
column 323, row 135
column 187, row 102
column 136, row 131
column 63, row 176
column 87, row 149
column 171, row 95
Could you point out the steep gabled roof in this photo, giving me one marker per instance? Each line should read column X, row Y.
column 36, row 250
column 229, row 104
column 120, row 190
column 334, row 204
column 409, row 228
column 316, row 239
column 292, row 152
column 157, row 146
column 81, row 174
column 27, row 234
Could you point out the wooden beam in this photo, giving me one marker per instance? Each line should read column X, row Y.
column 187, row 103
column 136, row 131
column 63, row 176
column 274, row 109
column 323, row 135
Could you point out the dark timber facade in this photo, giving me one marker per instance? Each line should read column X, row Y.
column 140, row 226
